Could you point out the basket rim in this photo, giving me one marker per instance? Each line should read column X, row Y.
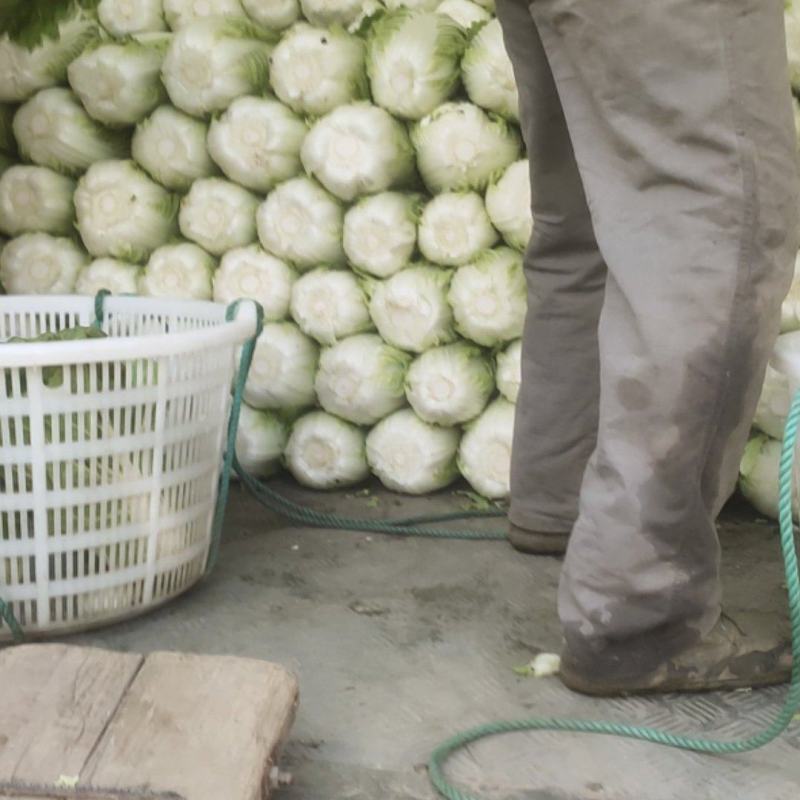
column 115, row 348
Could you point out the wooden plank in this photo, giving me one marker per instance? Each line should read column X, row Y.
column 29, row 793
column 26, row 792
column 56, row 702
column 204, row 727
column 93, row 796
column 13, row 794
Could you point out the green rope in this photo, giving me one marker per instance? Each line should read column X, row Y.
column 455, row 515
column 99, row 307
column 7, row 615
column 700, row 745
column 245, row 359
column 318, row 519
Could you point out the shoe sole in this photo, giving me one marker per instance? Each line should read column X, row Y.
column 538, row 544
column 576, row 684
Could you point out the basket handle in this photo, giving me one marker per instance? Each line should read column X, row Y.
column 99, row 307
column 245, row 359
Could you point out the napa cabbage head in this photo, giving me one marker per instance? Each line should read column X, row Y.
column 790, row 309
column 489, row 297
column 759, row 475
column 330, row 13
column 450, row 385
column 487, row 72
column 484, row 456
column 272, row 14
column 326, row 452
column 460, row 147
column 171, row 147
column 412, row 456
column 257, row 142
column 413, row 61
column 37, row 263
column 123, row 18
column 361, row 379
column 282, row 373
column 183, row 271
column 119, row 84
column 218, row 215
column 260, row 441
column 359, row 149
column 410, row 309
column 380, row 232
column 302, row 223
column 35, row 199
column 509, row 371
column 455, row 228
column 122, row 213
column 108, row 274
column 250, row 272
column 53, row 130
column 211, row 62
column 330, row 305
column 508, row 203
column 315, row 70
column 773, row 405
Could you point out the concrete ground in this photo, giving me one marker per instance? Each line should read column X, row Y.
column 400, row 642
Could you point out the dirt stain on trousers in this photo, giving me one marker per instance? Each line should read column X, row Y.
column 665, row 198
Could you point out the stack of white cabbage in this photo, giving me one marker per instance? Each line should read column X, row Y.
column 355, row 168
column 760, row 465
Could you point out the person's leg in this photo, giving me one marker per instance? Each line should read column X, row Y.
column 556, row 420
column 680, row 118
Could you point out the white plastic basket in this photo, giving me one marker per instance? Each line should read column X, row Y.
column 109, row 464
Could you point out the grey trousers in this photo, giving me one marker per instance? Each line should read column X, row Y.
column 664, row 176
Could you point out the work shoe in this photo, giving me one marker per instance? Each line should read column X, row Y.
column 725, row 659
column 537, row 543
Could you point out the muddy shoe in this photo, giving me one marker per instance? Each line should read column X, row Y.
column 725, row 659
column 537, row 542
